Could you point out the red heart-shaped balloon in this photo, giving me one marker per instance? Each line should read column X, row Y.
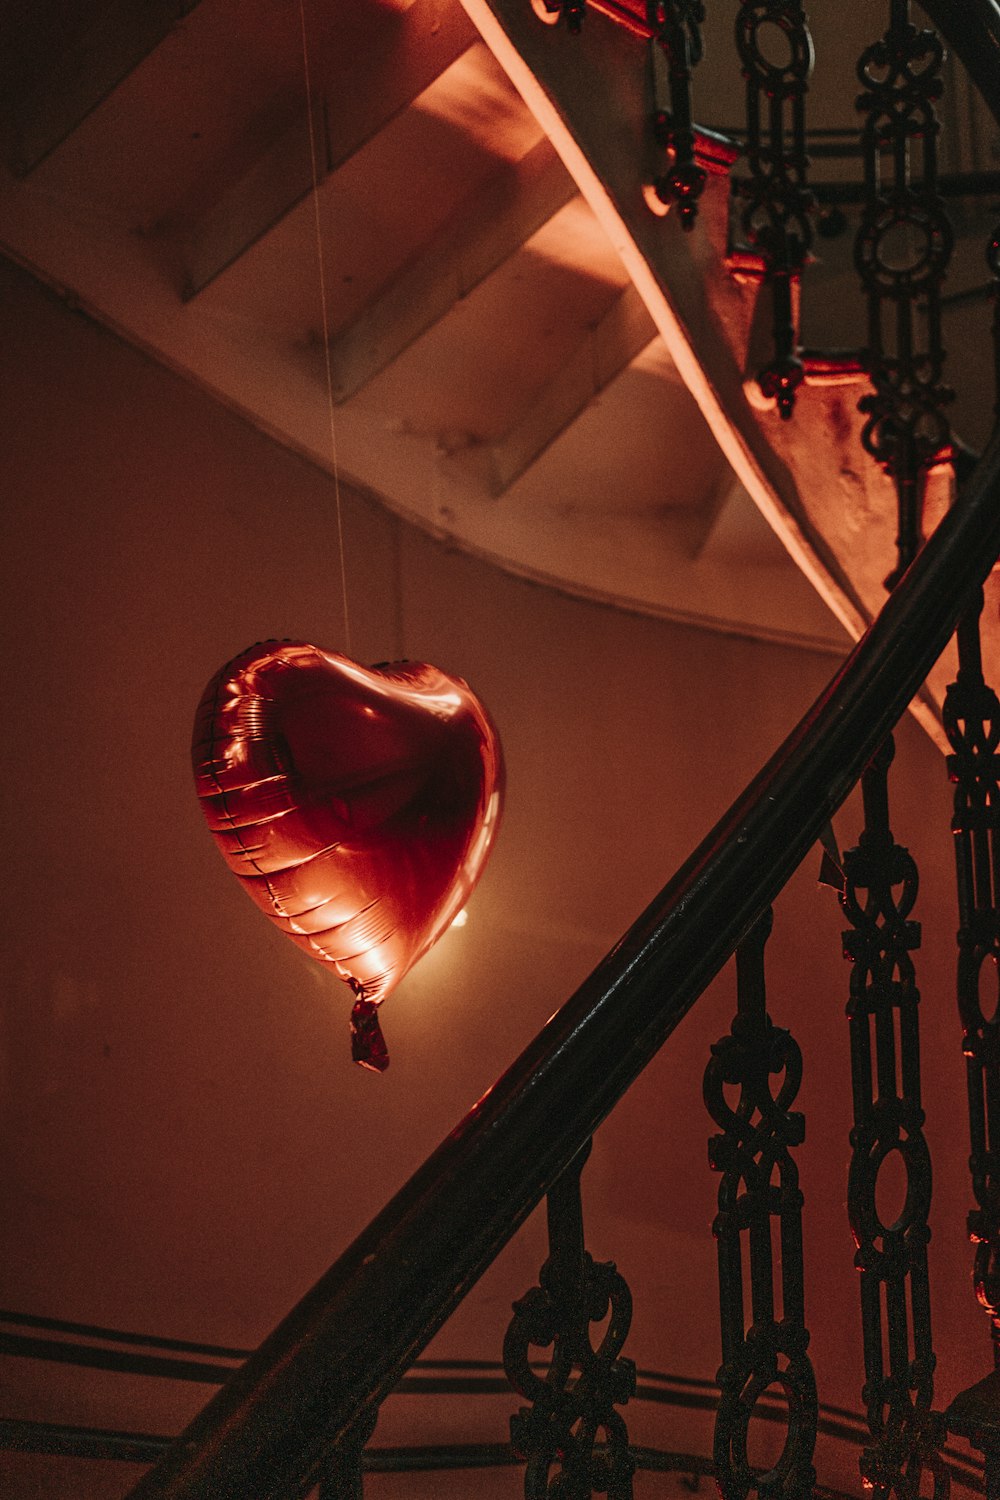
column 357, row 806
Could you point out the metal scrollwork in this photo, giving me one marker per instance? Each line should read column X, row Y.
column 880, row 888
column 676, row 26
column 759, row 1182
column 902, row 251
column 776, row 52
column 972, row 723
column 572, row 1421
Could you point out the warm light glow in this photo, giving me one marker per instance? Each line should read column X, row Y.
column 461, row 919
column 356, row 806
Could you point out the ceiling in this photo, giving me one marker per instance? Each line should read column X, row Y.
column 343, row 221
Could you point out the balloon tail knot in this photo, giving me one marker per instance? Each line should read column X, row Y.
column 368, row 1047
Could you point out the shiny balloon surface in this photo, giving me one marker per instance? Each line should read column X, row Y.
column 357, row 806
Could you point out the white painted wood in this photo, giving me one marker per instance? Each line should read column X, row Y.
column 119, row 36
column 607, row 349
column 607, row 512
column 592, row 95
column 478, row 236
column 711, row 517
column 427, row 38
column 277, row 181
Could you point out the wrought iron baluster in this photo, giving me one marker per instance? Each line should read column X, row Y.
column 776, row 52
column 902, row 250
column 676, row 26
column 760, row 1183
column 972, row 723
column 880, row 887
column 573, row 1404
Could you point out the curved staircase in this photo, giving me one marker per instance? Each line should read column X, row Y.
column 725, row 271
column 849, row 448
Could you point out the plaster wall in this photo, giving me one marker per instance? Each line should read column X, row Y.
column 186, row 1145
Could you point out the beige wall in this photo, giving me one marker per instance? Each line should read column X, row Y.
column 186, row 1144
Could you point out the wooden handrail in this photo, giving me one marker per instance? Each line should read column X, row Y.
column 319, row 1377
column 324, row 1369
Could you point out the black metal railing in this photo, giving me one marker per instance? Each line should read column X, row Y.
column 299, row 1411
column 323, row 1371
column 303, row 1406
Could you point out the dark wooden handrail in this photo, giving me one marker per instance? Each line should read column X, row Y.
column 321, row 1373
column 324, row 1369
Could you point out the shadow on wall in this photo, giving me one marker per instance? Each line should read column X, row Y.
column 187, row 1145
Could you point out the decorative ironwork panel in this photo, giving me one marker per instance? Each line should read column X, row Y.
column 760, row 1186
column 880, row 888
column 972, row 723
column 902, row 251
column 572, row 1421
column 676, row 26
column 776, row 52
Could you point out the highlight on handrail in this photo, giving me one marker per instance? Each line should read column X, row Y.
column 321, row 1373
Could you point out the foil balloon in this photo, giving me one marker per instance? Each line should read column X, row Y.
column 357, row 806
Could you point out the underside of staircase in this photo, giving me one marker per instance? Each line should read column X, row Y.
column 541, row 287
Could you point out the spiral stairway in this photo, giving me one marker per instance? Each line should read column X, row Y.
column 162, row 179
column 487, row 343
column 520, row 273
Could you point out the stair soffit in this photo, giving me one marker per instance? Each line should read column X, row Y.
column 495, row 423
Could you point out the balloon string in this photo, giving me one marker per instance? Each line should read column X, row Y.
column 326, row 325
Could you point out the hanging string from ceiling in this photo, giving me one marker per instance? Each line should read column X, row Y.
column 324, row 311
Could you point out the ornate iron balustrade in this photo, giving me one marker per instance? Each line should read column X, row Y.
column 322, row 1374
column 880, row 889
column 760, row 1182
column 301, row 1408
column 343, row 1348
